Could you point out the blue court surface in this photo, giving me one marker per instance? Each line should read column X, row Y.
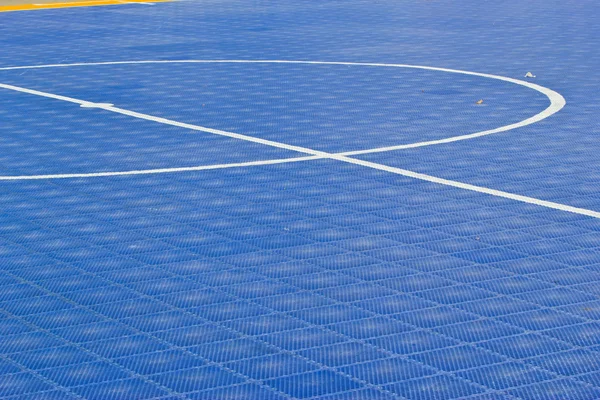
column 298, row 199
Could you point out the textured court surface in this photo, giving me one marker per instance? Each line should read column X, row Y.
column 314, row 279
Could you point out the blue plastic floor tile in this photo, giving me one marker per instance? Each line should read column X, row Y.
column 300, row 200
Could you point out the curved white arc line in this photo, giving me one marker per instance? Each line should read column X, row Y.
column 160, row 170
column 557, row 101
column 315, row 155
column 555, row 106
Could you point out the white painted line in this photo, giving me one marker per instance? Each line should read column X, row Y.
column 219, row 132
column 84, row 103
column 160, row 170
column 557, row 102
column 460, row 185
column 96, row 105
column 44, row 94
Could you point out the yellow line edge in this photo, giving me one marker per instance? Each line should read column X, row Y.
column 91, row 3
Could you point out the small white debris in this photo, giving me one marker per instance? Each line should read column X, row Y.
column 529, row 75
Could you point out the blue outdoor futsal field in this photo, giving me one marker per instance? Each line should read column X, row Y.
column 301, row 199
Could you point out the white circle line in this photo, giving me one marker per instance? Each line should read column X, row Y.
column 557, row 102
column 160, row 170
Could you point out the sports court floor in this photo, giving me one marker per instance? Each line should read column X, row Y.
column 300, row 199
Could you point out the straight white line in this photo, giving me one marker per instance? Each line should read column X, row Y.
column 44, row 94
column 160, row 170
column 460, row 185
column 108, row 107
column 217, row 132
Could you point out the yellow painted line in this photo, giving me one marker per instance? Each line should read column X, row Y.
column 91, row 3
